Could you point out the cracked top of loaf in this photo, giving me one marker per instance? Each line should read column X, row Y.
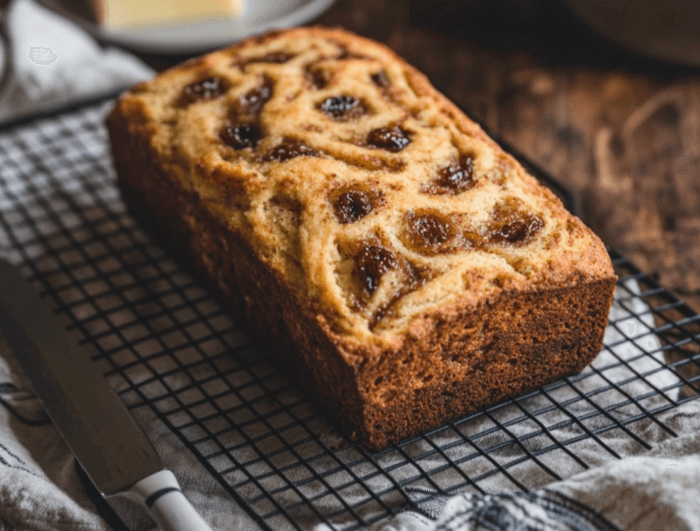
column 370, row 195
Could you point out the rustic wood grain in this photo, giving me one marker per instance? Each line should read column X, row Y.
column 620, row 130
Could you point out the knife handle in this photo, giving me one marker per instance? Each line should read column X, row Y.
column 160, row 494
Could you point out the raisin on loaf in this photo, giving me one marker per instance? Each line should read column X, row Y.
column 403, row 267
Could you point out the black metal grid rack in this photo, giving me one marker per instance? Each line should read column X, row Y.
column 166, row 344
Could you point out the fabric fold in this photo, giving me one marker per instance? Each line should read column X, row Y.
column 50, row 62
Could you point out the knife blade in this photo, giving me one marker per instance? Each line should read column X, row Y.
column 104, row 437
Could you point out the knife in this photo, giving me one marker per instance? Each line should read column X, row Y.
column 104, row 437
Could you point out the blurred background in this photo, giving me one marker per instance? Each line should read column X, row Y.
column 605, row 96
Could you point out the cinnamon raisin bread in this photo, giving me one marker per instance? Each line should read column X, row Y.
column 402, row 266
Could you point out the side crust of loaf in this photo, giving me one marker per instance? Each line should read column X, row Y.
column 451, row 361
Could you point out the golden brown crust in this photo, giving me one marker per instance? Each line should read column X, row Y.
column 409, row 269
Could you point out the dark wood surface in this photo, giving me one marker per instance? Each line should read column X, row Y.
column 620, row 130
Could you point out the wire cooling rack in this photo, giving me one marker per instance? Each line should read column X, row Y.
column 165, row 343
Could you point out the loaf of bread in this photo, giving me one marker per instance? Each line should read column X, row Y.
column 397, row 262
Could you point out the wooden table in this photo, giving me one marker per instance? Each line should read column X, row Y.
column 622, row 131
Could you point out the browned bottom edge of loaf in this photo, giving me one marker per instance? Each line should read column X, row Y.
column 537, row 337
column 564, row 334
